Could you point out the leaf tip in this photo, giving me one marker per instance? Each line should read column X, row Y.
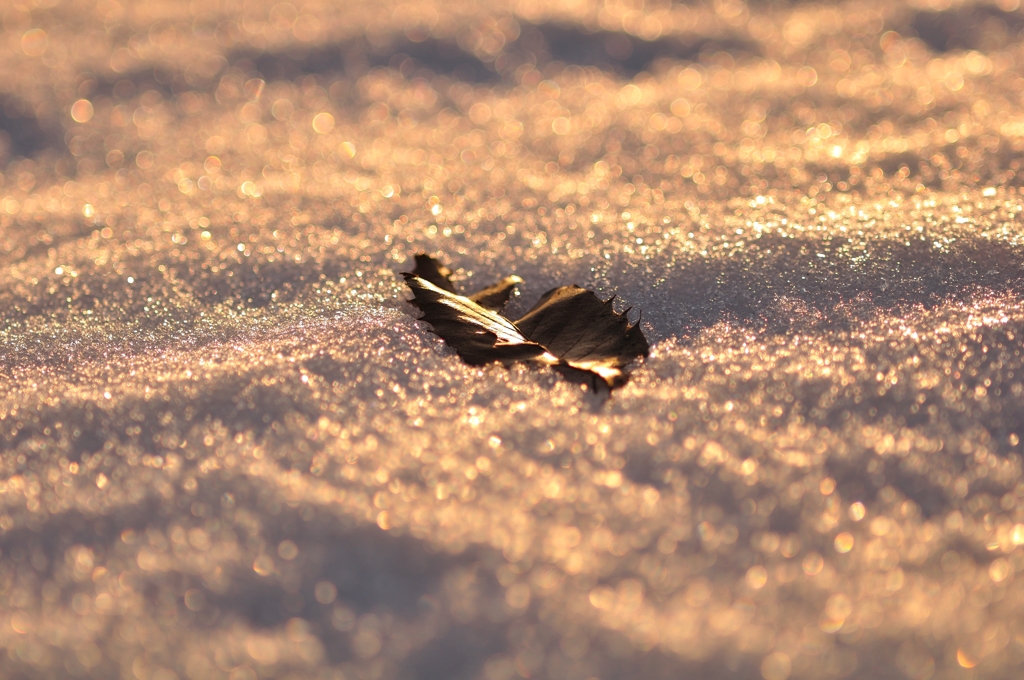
column 429, row 269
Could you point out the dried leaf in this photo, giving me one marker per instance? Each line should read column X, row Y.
column 493, row 297
column 476, row 333
column 429, row 269
column 585, row 333
column 569, row 327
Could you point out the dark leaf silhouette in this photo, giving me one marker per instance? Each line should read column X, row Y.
column 585, row 333
column 494, row 297
column 429, row 269
column 569, row 327
column 477, row 334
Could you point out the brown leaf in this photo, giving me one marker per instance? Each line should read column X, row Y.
column 569, row 327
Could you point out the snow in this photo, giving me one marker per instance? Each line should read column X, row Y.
column 228, row 449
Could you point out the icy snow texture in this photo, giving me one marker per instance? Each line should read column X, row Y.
column 229, row 450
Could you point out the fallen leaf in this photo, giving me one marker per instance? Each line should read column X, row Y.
column 493, row 297
column 585, row 333
column 569, row 327
column 429, row 269
column 477, row 334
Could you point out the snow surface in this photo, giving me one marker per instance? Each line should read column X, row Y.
column 228, row 449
